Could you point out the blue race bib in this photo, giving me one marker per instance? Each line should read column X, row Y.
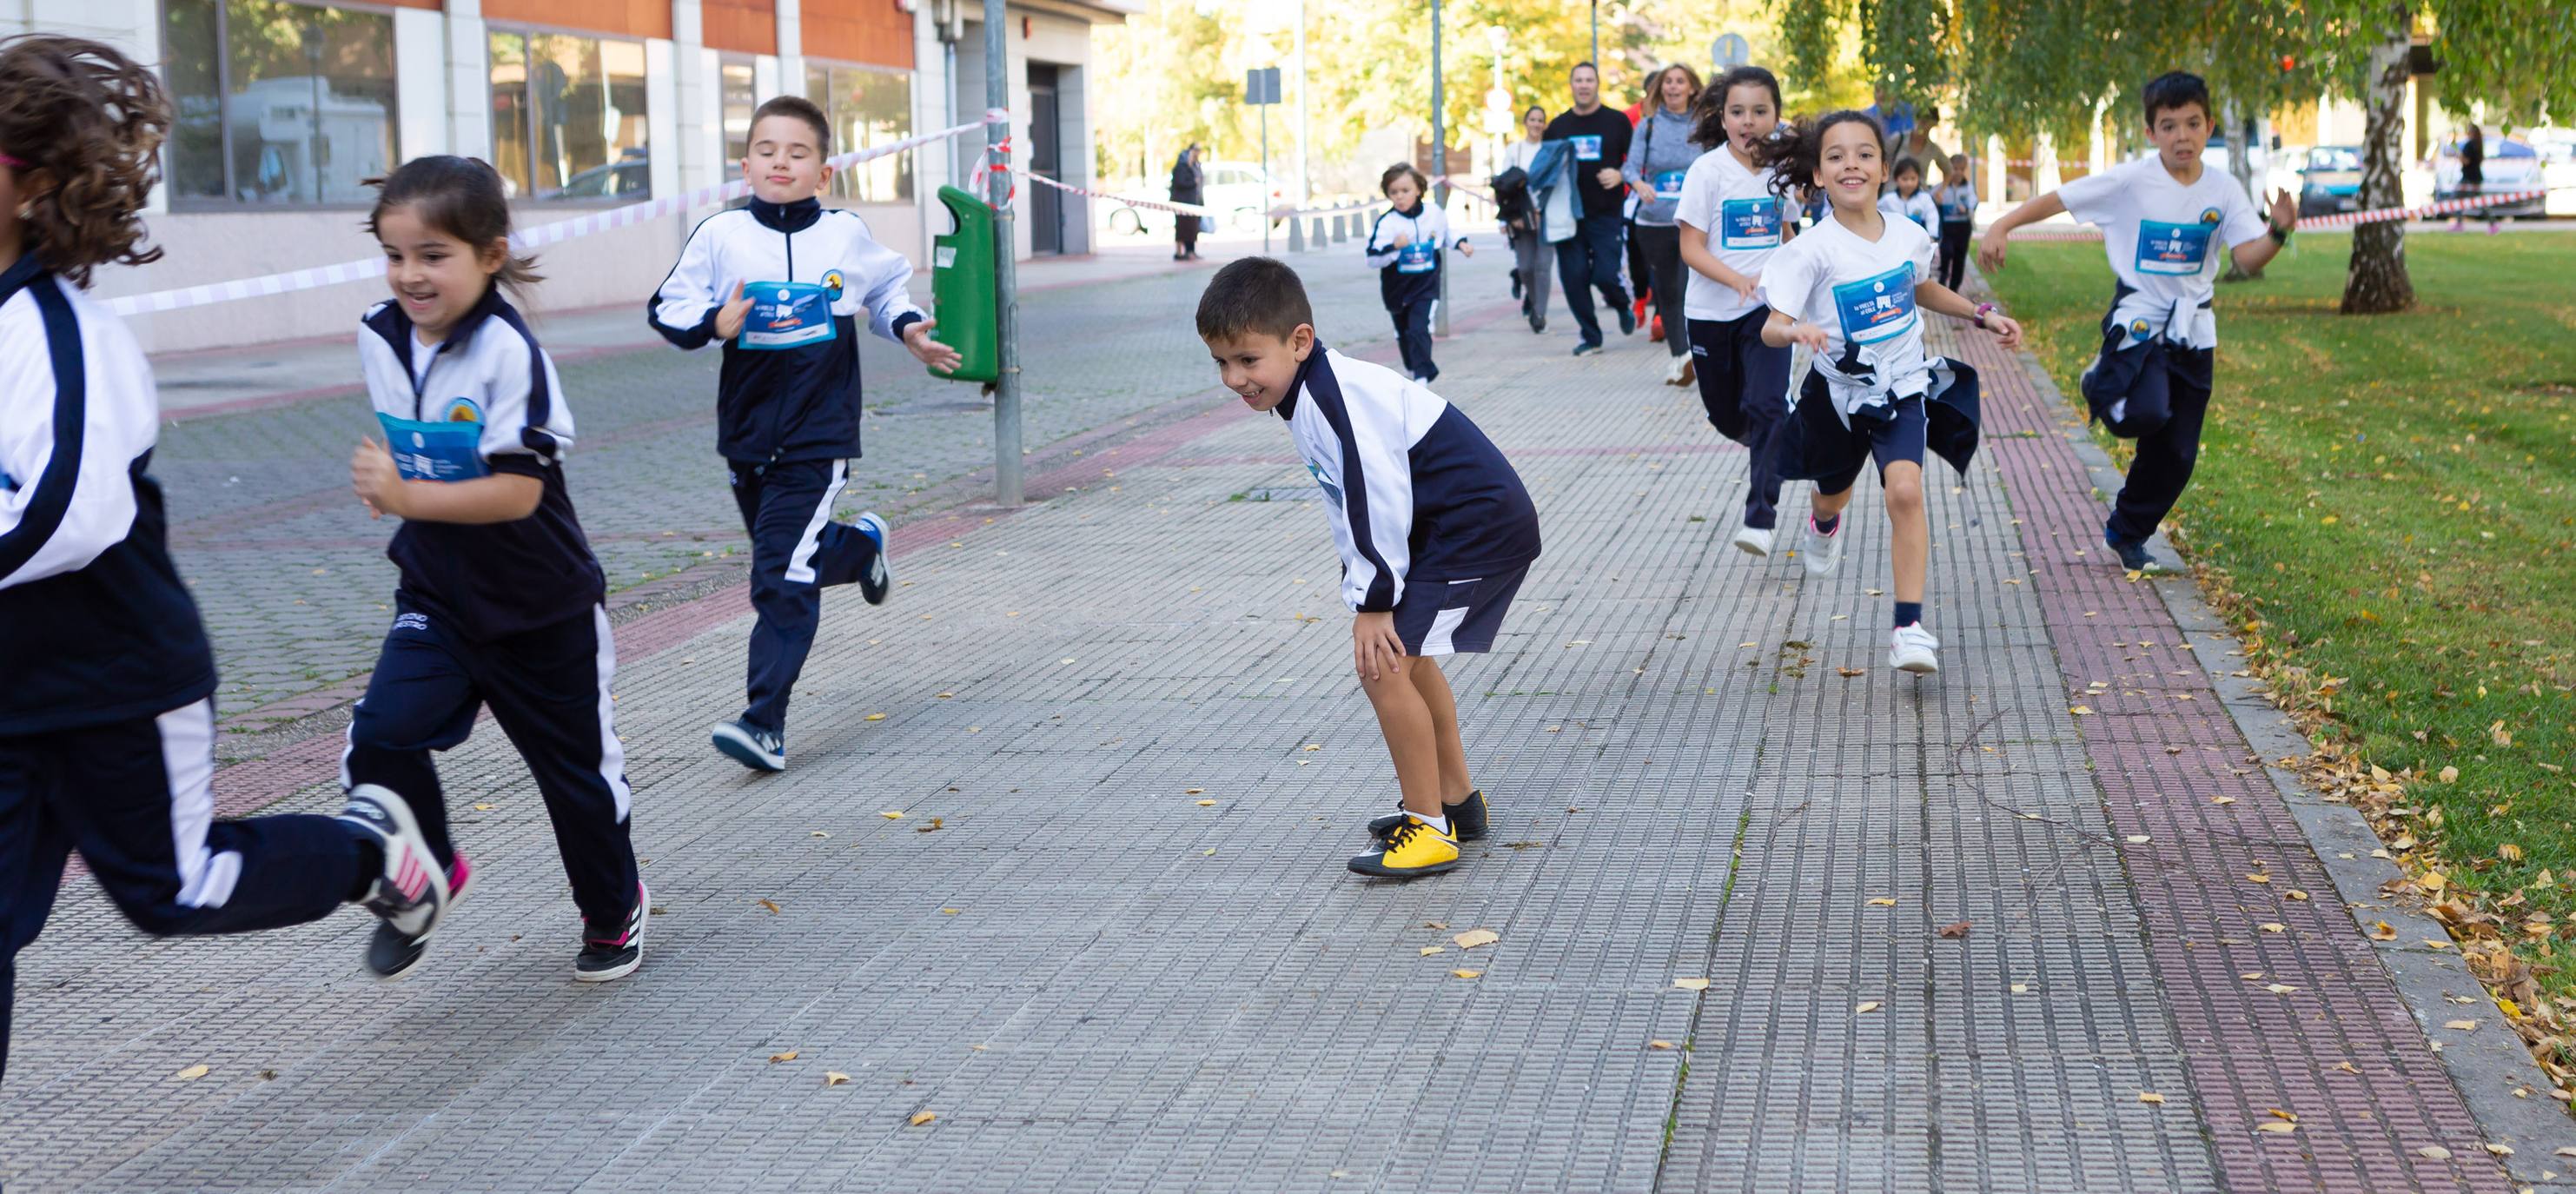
column 787, row 315
column 1415, row 258
column 2172, row 248
column 1748, row 224
column 1587, row 148
column 425, row 451
column 1879, row 308
column 1668, row 184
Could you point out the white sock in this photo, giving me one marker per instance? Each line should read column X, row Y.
column 1440, row 823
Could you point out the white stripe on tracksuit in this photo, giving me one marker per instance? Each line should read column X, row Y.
column 800, row 566
column 188, row 756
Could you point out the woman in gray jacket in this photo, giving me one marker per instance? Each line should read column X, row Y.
column 1658, row 156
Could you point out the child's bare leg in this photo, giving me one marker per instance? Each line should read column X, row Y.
column 1910, row 537
column 1434, row 687
column 1830, row 505
column 1405, row 717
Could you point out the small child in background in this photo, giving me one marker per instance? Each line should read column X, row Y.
column 1405, row 246
column 1956, row 197
column 1905, row 198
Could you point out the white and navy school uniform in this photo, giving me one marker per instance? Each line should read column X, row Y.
column 1408, row 277
column 788, row 404
column 1431, row 522
column 1957, row 202
column 1917, row 207
column 2152, row 380
column 107, row 723
column 506, row 615
column 1872, row 393
column 1743, row 382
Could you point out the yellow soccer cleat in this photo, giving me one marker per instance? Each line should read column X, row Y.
column 1414, row 848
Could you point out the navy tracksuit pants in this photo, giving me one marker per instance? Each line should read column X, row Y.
column 1744, row 383
column 1413, row 337
column 1589, row 261
column 796, row 550
column 135, row 798
column 2158, row 395
column 548, row 689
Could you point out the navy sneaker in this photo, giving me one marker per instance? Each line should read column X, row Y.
column 412, row 894
column 758, row 749
column 1627, row 321
column 1583, row 347
column 610, row 955
column 1466, row 819
column 879, row 577
column 2133, row 556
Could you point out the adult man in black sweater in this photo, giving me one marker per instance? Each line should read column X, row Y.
column 1590, row 258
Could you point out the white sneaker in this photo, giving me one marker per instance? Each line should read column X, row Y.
column 1755, row 541
column 1821, row 551
column 1679, row 374
column 1911, row 649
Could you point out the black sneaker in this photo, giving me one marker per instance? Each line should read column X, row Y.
column 1584, row 347
column 879, row 577
column 2133, row 556
column 606, row 958
column 1516, row 284
column 1466, row 819
column 758, row 749
column 1627, row 321
column 411, row 895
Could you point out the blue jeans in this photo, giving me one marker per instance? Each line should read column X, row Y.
column 1587, row 261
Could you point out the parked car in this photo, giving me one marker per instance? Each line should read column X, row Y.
column 629, row 177
column 2330, row 180
column 2511, row 165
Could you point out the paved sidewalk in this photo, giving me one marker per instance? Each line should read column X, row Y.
column 1707, row 836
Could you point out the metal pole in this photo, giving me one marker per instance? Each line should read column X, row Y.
column 1440, row 169
column 1596, row 38
column 1006, row 298
column 1305, row 161
column 1265, row 179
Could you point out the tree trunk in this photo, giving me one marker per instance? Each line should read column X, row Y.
column 2376, row 281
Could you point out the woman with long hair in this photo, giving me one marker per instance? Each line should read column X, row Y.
column 1659, row 156
column 1533, row 259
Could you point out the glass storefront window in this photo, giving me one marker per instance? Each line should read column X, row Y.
column 279, row 102
column 568, row 116
column 739, row 92
column 866, row 107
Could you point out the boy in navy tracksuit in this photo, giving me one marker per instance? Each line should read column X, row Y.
column 781, row 282
column 1434, row 528
column 1404, row 246
column 107, row 724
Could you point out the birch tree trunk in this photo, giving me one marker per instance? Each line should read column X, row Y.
column 2376, row 281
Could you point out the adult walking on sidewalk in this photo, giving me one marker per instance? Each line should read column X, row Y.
column 1657, row 161
column 1589, row 260
column 1530, row 257
column 1188, row 186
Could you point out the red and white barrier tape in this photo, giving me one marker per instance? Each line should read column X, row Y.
column 537, row 237
column 1186, row 209
column 2340, row 220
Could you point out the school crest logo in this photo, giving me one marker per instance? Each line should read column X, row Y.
column 2209, row 215
column 832, row 285
column 462, row 410
column 2137, row 329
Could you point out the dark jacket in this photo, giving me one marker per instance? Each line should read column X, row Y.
column 1187, row 177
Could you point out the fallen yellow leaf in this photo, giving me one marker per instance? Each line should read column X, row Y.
column 1866, row 1006
column 2449, row 775
column 2434, row 1152
column 2258, row 877
column 789, row 1055
column 2149, row 1096
column 1882, row 902
column 834, row 1077
column 1429, row 950
column 2296, row 894
column 1475, row 937
column 2276, row 1126
column 876, row 717
column 2280, row 988
column 922, row 1117
column 2383, row 931
column 1691, row 984
column 2273, row 926
column 2222, row 800
column 2082, row 710
column 1467, row 973
column 1207, row 804
column 892, row 814
column 772, row 905
column 2461, row 1025
column 1659, row 1044
column 191, row 1074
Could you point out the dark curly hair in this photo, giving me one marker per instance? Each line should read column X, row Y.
column 87, row 123
column 1795, row 152
column 1710, row 111
column 458, row 197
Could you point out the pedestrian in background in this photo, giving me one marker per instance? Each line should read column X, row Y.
column 2473, row 173
column 1530, row 256
column 1956, row 199
column 1589, row 260
column 1658, row 159
column 1188, row 186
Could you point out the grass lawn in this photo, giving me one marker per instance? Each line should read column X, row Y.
column 2391, row 500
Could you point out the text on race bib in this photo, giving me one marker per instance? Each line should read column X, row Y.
column 1668, row 184
column 1749, row 224
column 2172, row 248
column 786, row 315
column 1879, row 308
column 1415, row 258
column 1587, row 148
column 426, row 451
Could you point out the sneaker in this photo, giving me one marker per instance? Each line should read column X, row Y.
column 1516, row 283
column 879, row 578
column 1753, row 541
column 603, row 959
column 758, row 749
column 1415, row 848
column 2133, row 556
column 1911, row 649
column 1627, row 321
column 1538, row 323
column 1655, row 330
column 1466, row 819
column 1586, row 347
column 1820, row 550
column 412, row 894
column 1679, row 372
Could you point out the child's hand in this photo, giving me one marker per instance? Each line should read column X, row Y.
column 2285, row 211
column 1465, row 249
column 378, row 483
column 1990, row 250
column 1402, row 238
column 1812, row 335
column 729, row 317
column 1610, row 179
column 928, row 351
column 2005, row 328
column 1375, row 650
column 1745, row 285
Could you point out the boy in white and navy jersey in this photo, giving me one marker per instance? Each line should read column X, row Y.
column 2160, row 217
column 1404, row 246
column 1434, row 529
column 107, row 724
column 782, row 282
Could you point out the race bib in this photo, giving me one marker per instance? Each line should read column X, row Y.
column 425, row 451
column 1668, row 184
column 1586, row 148
column 1415, row 258
column 2172, row 248
column 787, row 315
column 1879, row 308
column 1748, row 224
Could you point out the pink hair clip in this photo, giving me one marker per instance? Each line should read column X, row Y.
column 12, row 163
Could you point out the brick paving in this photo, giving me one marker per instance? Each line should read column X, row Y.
column 1094, row 983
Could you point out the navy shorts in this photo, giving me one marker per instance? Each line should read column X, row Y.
column 1817, row 447
column 1442, row 617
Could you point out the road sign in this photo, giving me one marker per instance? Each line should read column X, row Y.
column 1261, row 86
column 1729, row 51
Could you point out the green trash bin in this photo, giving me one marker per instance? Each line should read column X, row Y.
column 961, row 288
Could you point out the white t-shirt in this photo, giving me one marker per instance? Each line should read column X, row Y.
column 1920, row 209
column 2161, row 237
column 1742, row 219
column 1862, row 293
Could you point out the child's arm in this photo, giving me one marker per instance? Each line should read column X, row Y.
column 500, row 497
column 1382, row 244
column 1695, row 254
column 525, row 432
column 2253, row 254
column 690, row 307
column 1783, row 330
column 1933, row 296
column 1990, row 250
column 883, row 276
column 59, row 510
column 1453, row 238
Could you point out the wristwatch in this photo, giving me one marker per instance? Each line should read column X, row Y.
column 1983, row 309
column 2279, row 235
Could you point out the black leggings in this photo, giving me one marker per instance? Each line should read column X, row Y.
column 1953, row 266
column 1660, row 248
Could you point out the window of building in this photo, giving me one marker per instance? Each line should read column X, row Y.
column 740, row 93
column 568, row 116
column 278, row 102
column 866, row 107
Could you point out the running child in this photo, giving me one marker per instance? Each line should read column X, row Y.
column 781, row 282
column 1957, row 199
column 1731, row 220
column 1905, row 198
column 1851, row 290
column 107, row 722
column 2158, row 217
column 1433, row 526
column 1404, row 246
column 500, row 597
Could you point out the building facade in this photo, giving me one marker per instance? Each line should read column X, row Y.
column 285, row 107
